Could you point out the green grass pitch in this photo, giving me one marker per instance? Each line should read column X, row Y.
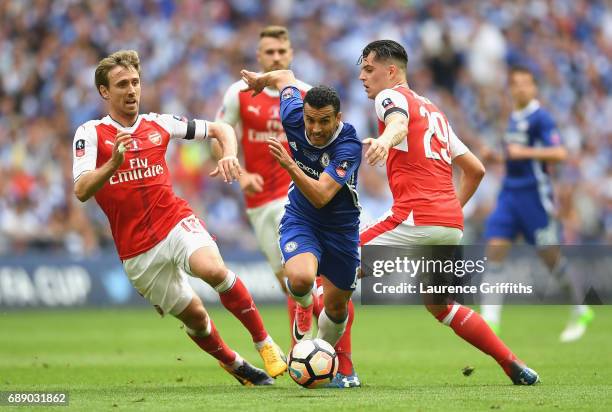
column 129, row 359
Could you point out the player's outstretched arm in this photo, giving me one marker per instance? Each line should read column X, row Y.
column 396, row 128
column 487, row 154
column 545, row 154
column 277, row 79
column 318, row 192
column 472, row 173
column 90, row 182
column 227, row 166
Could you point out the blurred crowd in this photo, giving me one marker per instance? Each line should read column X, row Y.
column 192, row 50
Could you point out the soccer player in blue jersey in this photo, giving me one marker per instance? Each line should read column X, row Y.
column 319, row 232
column 525, row 204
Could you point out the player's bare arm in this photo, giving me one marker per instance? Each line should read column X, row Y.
column 277, row 79
column 90, row 182
column 396, row 128
column 228, row 165
column 488, row 154
column 250, row 183
column 472, row 173
column 545, row 154
column 318, row 192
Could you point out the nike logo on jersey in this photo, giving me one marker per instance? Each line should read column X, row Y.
column 254, row 109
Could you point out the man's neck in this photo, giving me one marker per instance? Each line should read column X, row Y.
column 518, row 106
column 400, row 82
column 123, row 120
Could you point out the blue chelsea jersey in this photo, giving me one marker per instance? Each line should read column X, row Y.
column 532, row 126
column 340, row 158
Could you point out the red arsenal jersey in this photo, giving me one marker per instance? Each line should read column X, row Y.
column 259, row 119
column 419, row 168
column 138, row 199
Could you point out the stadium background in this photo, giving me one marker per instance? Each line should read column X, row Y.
column 192, row 51
column 57, row 252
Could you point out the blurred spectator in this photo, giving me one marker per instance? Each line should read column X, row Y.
column 192, row 50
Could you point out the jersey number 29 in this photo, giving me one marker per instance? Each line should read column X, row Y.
column 438, row 126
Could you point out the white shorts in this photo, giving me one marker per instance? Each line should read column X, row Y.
column 265, row 220
column 160, row 274
column 388, row 231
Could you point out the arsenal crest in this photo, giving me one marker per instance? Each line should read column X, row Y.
column 155, row 138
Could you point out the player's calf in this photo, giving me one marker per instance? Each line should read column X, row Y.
column 334, row 317
column 331, row 329
column 202, row 331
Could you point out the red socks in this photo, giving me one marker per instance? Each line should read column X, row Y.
column 343, row 347
column 214, row 345
column 291, row 311
column 238, row 300
column 471, row 327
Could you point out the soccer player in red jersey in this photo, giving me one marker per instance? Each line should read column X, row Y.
column 120, row 160
column 419, row 147
column 265, row 182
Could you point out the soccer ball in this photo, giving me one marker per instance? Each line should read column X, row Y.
column 313, row 363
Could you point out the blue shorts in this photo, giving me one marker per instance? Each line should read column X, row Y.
column 336, row 252
column 522, row 211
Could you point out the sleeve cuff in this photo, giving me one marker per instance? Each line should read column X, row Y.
column 201, row 129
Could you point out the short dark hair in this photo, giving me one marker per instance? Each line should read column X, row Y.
column 321, row 96
column 521, row 69
column 386, row 50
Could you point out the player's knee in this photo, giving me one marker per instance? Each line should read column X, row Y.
column 215, row 274
column 300, row 281
column 208, row 266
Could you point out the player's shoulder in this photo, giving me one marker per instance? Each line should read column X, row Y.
column 348, row 135
column 388, row 99
column 89, row 127
column 348, row 131
column 163, row 118
column 236, row 87
column 544, row 115
column 168, row 122
column 389, row 93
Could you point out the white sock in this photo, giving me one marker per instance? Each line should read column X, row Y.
column 330, row 331
column 238, row 362
column 579, row 310
column 260, row 344
column 303, row 301
column 491, row 305
column 200, row 333
column 227, row 283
